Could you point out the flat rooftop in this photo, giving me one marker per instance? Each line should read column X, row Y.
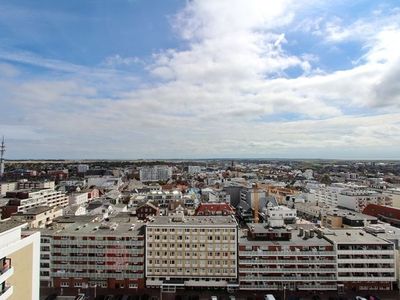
column 193, row 220
column 295, row 240
column 113, row 227
column 352, row 236
column 9, row 224
column 34, row 211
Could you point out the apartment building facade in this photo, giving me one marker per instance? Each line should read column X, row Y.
column 93, row 255
column 358, row 199
column 284, row 258
column 19, row 257
column 38, row 217
column 23, row 200
column 196, row 252
column 155, row 173
column 364, row 261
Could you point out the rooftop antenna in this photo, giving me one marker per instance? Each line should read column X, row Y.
column 2, row 150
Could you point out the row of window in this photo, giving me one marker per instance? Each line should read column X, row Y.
column 191, row 271
column 192, row 254
column 188, row 230
column 100, row 285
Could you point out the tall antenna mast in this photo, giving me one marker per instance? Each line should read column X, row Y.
column 2, row 151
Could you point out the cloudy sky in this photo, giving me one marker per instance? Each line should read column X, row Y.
column 130, row 79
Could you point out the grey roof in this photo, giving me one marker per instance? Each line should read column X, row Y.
column 34, row 211
column 295, row 240
column 194, row 220
column 130, row 226
column 352, row 236
column 9, row 224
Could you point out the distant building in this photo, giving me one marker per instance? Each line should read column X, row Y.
column 25, row 185
column 386, row 214
column 22, row 200
column 83, row 168
column 194, row 169
column 105, row 182
column 78, row 198
column 146, row 210
column 20, row 262
column 155, row 173
column 38, row 217
column 288, row 215
column 358, row 199
column 214, row 209
column 7, row 187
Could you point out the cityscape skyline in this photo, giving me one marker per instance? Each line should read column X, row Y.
column 200, row 79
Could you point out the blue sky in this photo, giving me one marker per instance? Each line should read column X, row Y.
column 195, row 79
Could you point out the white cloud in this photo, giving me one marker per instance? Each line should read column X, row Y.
column 117, row 60
column 225, row 94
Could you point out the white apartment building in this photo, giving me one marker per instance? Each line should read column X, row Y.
column 196, row 251
column 327, row 195
column 106, row 182
column 364, row 261
column 78, row 198
column 22, row 200
column 155, row 173
column 194, row 169
column 19, row 258
column 358, row 199
column 288, row 215
column 26, row 184
column 219, row 197
column 7, row 187
column 82, row 168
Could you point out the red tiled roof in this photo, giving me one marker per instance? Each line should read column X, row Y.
column 386, row 213
column 214, row 208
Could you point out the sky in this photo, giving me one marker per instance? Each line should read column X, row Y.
column 143, row 79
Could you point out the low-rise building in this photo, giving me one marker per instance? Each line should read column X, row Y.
column 78, row 198
column 38, row 217
column 214, row 209
column 146, row 210
column 7, row 187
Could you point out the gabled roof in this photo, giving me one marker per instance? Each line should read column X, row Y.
column 149, row 204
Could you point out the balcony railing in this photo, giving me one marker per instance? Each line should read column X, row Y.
column 287, row 261
column 287, row 253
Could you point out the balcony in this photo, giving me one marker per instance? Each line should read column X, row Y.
column 288, row 261
column 290, row 253
column 287, row 278
column 317, row 287
column 291, row 270
column 268, row 287
column 6, row 293
column 365, row 252
column 6, row 271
